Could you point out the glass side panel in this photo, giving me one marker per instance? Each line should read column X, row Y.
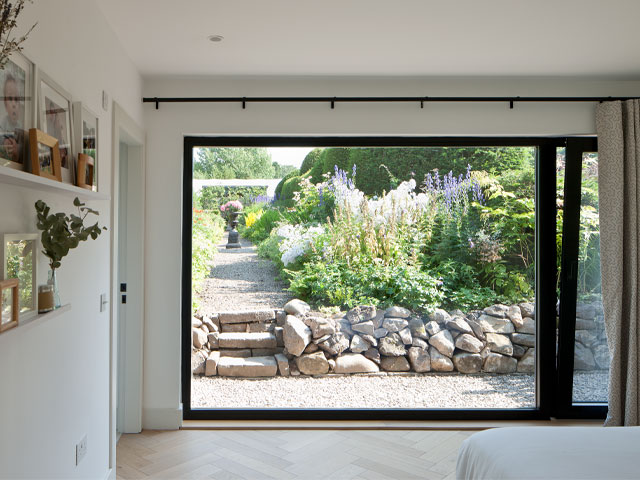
column 591, row 356
column 416, row 266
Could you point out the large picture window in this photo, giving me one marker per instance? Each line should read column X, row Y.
column 385, row 278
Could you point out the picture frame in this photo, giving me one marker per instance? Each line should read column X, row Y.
column 45, row 155
column 17, row 111
column 8, row 304
column 86, row 171
column 55, row 119
column 86, row 138
column 20, row 261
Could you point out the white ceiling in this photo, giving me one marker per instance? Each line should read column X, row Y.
column 380, row 37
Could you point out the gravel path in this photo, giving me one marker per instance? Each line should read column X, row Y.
column 241, row 280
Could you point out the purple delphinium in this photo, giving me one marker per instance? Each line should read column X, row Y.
column 454, row 191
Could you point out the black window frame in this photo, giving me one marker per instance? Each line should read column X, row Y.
column 546, row 378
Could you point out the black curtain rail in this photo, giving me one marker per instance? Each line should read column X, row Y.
column 333, row 100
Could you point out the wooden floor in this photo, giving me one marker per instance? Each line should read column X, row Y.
column 289, row 454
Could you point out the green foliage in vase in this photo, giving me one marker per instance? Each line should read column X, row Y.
column 62, row 233
column 9, row 12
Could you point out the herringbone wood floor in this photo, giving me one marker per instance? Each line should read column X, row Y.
column 289, row 454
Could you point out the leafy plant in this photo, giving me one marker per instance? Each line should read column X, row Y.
column 61, row 233
column 9, row 12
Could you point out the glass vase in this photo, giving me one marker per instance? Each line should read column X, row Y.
column 53, row 281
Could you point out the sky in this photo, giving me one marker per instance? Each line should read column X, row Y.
column 289, row 155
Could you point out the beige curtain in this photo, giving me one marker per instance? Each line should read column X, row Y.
column 618, row 127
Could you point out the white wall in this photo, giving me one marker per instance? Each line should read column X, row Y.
column 167, row 126
column 54, row 375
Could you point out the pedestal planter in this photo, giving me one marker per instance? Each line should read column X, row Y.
column 232, row 241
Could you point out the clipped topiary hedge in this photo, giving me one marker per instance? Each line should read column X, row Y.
column 211, row 197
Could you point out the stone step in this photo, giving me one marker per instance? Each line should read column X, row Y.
column 247, row 340
column 247, row 367
column 247, row 316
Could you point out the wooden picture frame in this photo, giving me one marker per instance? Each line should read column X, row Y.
column 17, row 111
column 85, row 171
column 8, row 304
column 21, row 262
column 85, row 131
column 45, row 155
column 55, row 119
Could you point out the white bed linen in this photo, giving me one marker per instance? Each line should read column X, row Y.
column 551, row 452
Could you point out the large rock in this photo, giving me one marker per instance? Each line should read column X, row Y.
column 491, row 324
column 196, row 322
column 440, row 363
column 420, row 343
column 392, row 346
column 281, row 316
column 394, row 324
column 419, row 359
column 261, row 327
column 343, row 325
column 398, row 312
column 524, row 339
column 515, row 315
column 439, row 316
column 518, row 351
column 499, row 344
column 467, row 362
column 365, row 327
column 311, row 348
column 528, row 326
column 371, row 340
column 443, row 342
column 459, row 324
column 320, row 326
column 283, row 364
column 214, row 340
column 211, row 365
column 297, row 307
column 405, row 336
column 432, row 328
column 354, row 363
column 361, row 314
column 247, row 316
column 395, row 364
column 247, row 340
column 374, row 355
column 210, row 324
column 358, row 344
column 583, row 358
column 198, row 360
column 468, row 343
column 236, row 352
column 585, row 311
column 279, row 333
column 313, row 364
column 380, row 332
column 582, row 324
column 602, row 356
column 247, row 367
column 527, row 364
column 378, row 319
column 296, row 335
column 233, row 327
column 335, row 344
column 527, row 310
column 499, row 311
column 496, row 363
column 416, row 325
column 199, row 338
column 586, row 337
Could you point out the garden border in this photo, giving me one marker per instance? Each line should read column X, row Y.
column 547, row 375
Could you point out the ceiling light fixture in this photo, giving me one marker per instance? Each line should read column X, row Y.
column 215, row 38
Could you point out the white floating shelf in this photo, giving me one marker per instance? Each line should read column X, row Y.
column 33, row 320
column 10, row 176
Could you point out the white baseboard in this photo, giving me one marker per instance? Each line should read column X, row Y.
column 162, row 418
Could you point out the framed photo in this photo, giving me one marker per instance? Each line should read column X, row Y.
column 86, row 138
column 16, row 111
column 20, row 262
column 55, row 120
column 85, row 172
column 45, row 155
column 8, row 304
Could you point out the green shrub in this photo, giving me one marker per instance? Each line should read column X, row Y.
column 310, row 160
column 291, row 186
column 211, row 197
column 207, row 231
column 261, row 229
column 278, row 190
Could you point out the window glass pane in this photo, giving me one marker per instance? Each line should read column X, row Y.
column 591, row 357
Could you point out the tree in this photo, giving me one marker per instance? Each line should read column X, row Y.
column 226, row 162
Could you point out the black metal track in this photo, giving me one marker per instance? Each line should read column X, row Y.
column 333, row 100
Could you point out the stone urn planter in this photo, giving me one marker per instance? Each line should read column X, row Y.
column 233, row 241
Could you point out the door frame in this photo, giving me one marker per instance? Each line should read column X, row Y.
column 126, row 130
column 546, row 376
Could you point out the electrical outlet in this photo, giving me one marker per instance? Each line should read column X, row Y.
column 103, row 302
column 81, row 449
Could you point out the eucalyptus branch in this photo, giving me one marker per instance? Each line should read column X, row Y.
column 9, row 12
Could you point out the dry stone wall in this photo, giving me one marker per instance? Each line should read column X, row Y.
column 297, row 341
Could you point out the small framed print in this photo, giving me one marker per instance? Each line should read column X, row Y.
column 85, row 172
column 8, row 304
column 55, row 120
column 86, row 138
column 20, row 262
column 16, row 111
column 45, row 155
